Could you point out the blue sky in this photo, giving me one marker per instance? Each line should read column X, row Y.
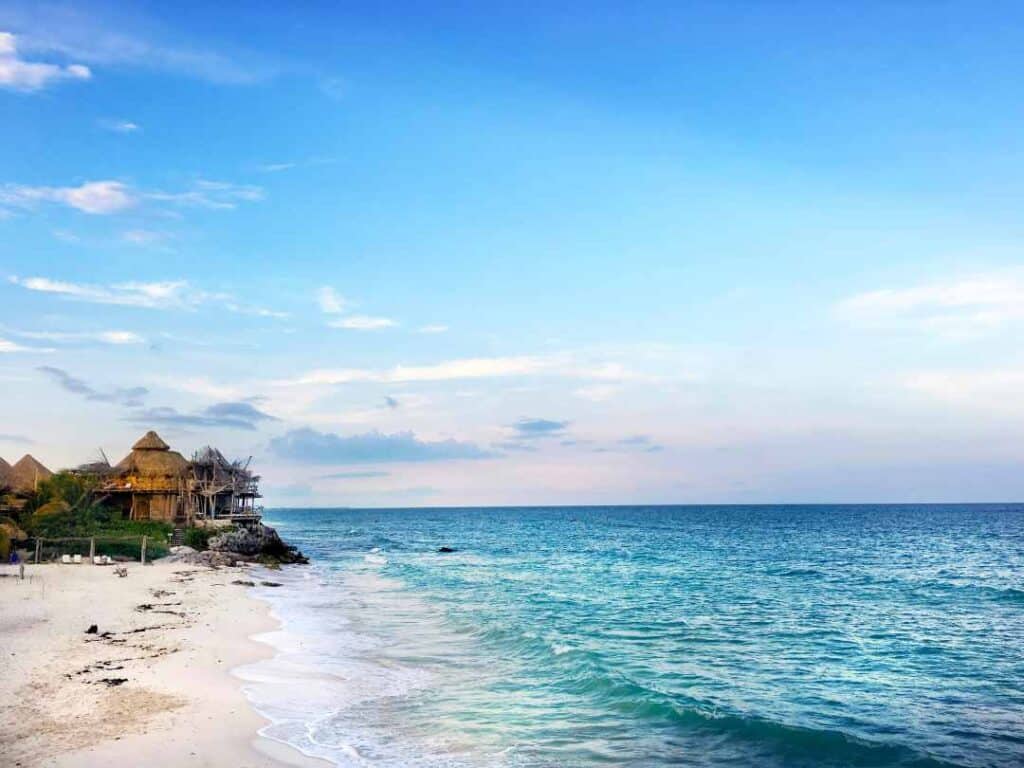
column 490, row 253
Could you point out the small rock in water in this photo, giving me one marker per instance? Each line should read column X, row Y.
column 446, row 550
column 92, row 630
column 244, row 583
column 270, row 584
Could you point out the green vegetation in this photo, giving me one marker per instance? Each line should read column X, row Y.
column 5, row 545
column 65, row 506
column 199, row 538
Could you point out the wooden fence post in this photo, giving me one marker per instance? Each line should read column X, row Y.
column 92, row 550
column 143, row 550
column 39, row 547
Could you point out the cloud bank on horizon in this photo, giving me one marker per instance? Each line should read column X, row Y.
column 663, row 254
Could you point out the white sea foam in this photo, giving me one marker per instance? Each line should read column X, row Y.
column 329, row 689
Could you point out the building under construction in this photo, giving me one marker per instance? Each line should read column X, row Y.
column 155, row 483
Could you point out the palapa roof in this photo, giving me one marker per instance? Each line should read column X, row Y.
column 24, row 475
column 150, row 441
column 5, row 472
column 152, row 456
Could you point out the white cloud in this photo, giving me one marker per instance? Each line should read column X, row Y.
column 94, row 197
column 467, row 368
column 107, row 38
column 166, row 294
column 108, row 196
column 142, row 236
column 996, row 389
column 20, row 75
column 121, row 126
column 243, row 309
column 215, row 195
column 330, row 301
column 436, row 328
column 362, row 323
column 956, row 309
column 10, row 346
column 155, row 295
column 104, row 337
column 275, row 167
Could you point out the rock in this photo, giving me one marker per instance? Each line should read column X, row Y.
column 244, row 583
column 92, row 630
column 182, row 550
column 260, row 541
column 210, row 559
column 446, row 550
column 270, row 584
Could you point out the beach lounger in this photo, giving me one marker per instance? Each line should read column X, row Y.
column 76, row 559
column 65, row 559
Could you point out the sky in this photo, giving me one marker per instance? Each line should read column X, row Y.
column 501, row 253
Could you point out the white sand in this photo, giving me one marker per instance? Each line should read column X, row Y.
column 179, row 706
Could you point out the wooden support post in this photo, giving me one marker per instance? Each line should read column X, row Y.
column 39, row 547
column 92, row 550
column 143, row 550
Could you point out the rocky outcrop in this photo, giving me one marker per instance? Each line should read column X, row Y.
column 261, row 543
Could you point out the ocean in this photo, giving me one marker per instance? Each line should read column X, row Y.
column 650, row 636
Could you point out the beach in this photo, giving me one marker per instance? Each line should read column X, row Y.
column 151, row 685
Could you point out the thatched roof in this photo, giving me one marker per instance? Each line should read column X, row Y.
column 26, row 474
column 5, row 473
column 150, row 441
column 152, row 456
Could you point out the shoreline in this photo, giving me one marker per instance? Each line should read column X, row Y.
column 153, row 684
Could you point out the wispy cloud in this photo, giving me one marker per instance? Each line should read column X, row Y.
column 9, row 438
column 530, row 429
column 111, row 41
column 275, row 167
column 362, row 323
column 142, row 236
column 7, row 346
column 233, row 415
column 101, row 337
column 354, row 475
column 108, row 196
column 437, row 328
column 960, row 308
column 154, row 295
column 467, row 368
column 213, row 195
column 166, row 294
column 330, row 301
column 20, row 75
column 997, row 389
column 121, row 126
column 308, row 445
column 93, row 197
column 131, row 396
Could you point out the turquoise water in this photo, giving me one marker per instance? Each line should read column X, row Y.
column 650, row 636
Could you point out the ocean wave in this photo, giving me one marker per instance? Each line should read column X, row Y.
column 821, row 747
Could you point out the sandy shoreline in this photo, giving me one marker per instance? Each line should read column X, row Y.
column 153, row 686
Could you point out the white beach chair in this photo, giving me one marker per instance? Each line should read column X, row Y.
column 97, row 560
column 65, row 559
column 76, row 559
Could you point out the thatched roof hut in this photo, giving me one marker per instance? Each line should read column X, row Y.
column 150, row 457
column 26, row 474
column 5, row 473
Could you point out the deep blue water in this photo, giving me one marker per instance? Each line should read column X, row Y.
column 650, row 636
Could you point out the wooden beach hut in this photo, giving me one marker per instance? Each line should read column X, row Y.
column 5, row 474
column 150, row 483
column 26, row 474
